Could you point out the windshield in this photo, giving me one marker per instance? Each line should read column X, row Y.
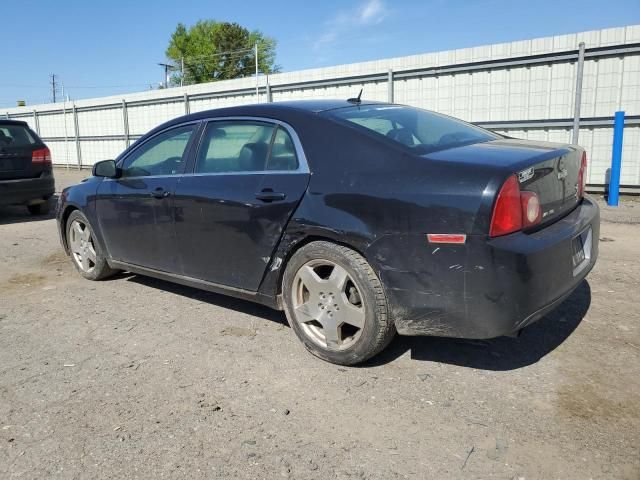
column 420, row 130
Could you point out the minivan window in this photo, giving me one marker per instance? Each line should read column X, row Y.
column 16, row 136
column 419, row 130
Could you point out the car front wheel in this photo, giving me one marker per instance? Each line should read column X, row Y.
column 335, row 303
column 85, row 252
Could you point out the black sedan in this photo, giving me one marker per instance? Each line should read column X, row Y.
column 357, row 219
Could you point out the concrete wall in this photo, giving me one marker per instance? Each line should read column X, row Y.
column 524, row 89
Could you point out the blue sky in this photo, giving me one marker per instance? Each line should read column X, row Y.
column 105, row 47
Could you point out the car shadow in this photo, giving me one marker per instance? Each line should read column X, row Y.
column 498, row 354
column 215, row 299
column 19, row 214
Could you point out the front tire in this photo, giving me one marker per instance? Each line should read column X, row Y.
column 85, row 251
column 335, row 304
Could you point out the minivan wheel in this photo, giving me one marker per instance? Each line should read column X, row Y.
column 85, row 251
column 335, row 303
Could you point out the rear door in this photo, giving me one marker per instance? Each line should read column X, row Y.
column 248, row 177
column 17, row 143
column 135, row 211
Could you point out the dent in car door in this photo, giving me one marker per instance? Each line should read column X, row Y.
column 230, row 213
column 135, row 211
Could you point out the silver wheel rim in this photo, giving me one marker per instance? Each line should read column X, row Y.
column 327, row 304
column 82, row 247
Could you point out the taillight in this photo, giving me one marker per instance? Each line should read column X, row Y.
column 582, row 175
column 41, row 156
column 507, row 214
column 514, row 210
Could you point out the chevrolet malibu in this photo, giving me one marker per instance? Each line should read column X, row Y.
column 358, row 219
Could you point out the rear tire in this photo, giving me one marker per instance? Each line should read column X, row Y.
column 40, row 208
column 86, row 254
column 335, row 304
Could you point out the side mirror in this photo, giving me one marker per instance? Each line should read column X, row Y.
column 105, row 168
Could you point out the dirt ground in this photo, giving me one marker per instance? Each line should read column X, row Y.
column 138, row 378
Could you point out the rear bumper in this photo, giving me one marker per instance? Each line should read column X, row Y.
column 27, row 190
column 486, row 287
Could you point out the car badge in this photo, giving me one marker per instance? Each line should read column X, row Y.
column 525, row 175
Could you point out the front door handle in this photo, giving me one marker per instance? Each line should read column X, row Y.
column 268, row 195
column 160, row 193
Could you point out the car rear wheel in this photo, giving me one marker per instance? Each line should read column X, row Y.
column 86, row 254
column 335, row 303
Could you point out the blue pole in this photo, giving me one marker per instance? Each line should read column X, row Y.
column 616, row 160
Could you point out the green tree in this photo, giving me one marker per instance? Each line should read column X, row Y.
column 213, row 51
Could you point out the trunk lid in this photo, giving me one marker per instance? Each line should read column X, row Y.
column 549, row 169
column 17, row 143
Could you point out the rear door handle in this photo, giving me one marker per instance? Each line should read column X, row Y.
column 160, row 193
column 270, row 196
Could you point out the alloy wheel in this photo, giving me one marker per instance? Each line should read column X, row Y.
column 328, row 305
column 82, row 247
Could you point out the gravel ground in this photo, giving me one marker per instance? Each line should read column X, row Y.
column 138, row 378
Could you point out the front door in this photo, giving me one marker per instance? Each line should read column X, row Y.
column 135, row 211
column 230, row 212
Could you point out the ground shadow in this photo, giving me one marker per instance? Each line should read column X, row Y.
column 19, row 214
column 223, row 301
column 502, row 353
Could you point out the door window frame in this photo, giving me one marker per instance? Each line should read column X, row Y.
column 303, row 166
column 186, row 155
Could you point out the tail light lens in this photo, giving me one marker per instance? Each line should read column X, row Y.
column 582, row 175
column 514, row 210
column 41, row 156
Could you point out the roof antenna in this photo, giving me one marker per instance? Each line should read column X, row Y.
column 356, row 100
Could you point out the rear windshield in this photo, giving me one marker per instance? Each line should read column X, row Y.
column 420, row 130
column 16, row 136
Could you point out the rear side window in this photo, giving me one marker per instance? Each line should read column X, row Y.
column 419, row 130
column 283, row 153
column 16, row 136
column 234, row 146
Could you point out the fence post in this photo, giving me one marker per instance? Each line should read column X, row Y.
column 616, row 160
column 125, row 123
column 77, row 132
column 578, row 95
column 269, row 96
column 36, row 122
column 186, row 103
column 390, row 85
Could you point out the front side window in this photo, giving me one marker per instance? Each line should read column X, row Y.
column 162, row 155
column 234, row 146
column 419, row 130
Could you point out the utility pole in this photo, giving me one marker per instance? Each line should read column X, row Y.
column 256, row 55
column 53, row 87
column 166, row 66
column 181, row 71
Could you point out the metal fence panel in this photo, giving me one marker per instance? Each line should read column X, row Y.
column 525, row 89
